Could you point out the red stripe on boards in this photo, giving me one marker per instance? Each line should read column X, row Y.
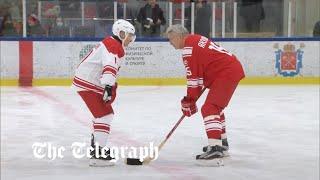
column 25, row 63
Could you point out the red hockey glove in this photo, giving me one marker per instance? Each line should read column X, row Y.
column 188, row 106
column 109, row 93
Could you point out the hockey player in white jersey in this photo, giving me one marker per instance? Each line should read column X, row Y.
column 95, row 79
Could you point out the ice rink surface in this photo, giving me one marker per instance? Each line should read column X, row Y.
column 273, row 133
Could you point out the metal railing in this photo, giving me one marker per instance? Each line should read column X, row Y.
column 222, row 19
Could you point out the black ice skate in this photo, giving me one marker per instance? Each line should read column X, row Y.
column 97, row 160
column 211, row 157
column 225, row 147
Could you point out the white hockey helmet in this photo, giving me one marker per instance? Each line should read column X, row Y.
column 125, row 26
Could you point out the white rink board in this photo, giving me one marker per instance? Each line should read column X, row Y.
column 152, row 59
column 56, row 59
column 9, row 57
column 258, row 58
column 148, row 59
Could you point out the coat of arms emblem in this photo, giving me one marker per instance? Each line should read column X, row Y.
column 288, row 61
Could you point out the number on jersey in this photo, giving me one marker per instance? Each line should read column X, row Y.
column 218, row 48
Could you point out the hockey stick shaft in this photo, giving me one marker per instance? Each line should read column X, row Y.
column 149, row 159
column 177, row 124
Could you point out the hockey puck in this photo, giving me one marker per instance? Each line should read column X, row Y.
column 133, row 161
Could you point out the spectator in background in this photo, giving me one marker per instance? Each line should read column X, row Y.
column 133, row 7
column 3, row 13
column 151, row 17
column 34, row 27
column 202, row 19
column 7, row 27
column 252, row 12
column 58, row 29
column 50, row 14
column 316, row 29
column 59, row 22
column 16, row 15
column 10, row 18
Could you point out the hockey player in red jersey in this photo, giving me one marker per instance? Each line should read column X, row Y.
column 95, row 80
column 211, row 66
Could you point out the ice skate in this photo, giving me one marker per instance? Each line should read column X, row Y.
column 211, row 157
column 225, row 147
column 97, row 160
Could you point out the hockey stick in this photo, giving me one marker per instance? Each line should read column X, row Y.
column 147, row 160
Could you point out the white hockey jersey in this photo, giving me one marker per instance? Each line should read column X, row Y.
column 100, row 67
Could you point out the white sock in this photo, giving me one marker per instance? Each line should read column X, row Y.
column 101, row 129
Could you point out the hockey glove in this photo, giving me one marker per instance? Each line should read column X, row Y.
column 109, row 93
column 188, row 106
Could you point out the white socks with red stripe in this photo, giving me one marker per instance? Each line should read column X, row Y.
column 101, row 129
column 223, row 122
column 213, row 127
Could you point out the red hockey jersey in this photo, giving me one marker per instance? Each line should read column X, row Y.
column 205, row 61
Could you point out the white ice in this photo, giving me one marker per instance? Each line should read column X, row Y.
column 273, row 133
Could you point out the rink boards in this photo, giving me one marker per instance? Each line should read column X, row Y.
column 157, row 63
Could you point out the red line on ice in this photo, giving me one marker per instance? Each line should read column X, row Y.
column 120, row 137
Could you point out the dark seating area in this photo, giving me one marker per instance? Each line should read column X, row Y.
column 60, row 32
column 83, row 31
